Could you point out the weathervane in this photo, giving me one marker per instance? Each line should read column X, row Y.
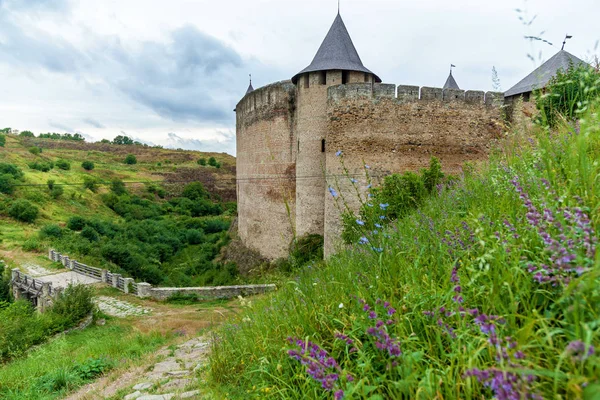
column 565, row 42
column 338, row 6
column 452, row 66
column 250, row 75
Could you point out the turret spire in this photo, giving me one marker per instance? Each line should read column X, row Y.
column 250, row 88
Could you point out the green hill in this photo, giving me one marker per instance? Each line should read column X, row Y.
column 113, row 199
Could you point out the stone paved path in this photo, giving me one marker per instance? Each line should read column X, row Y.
column 175, row 376
column 63, row 279
column 119, row 308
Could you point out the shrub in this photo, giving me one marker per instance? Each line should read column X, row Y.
column 218, row 165
column 307, row 248
column 51, row 230
column 63, row 164
column 50, row 183
column 31, row 244
column 130, row 159
column 36, row 151
column 118, row 187
column 90, row 182
column 7, row 184
column 4, row 283
column 87, row 165
column 41, row 166
column 194, row 236
column 23, row 210
column 2, row 140
column 26, row 134
column 195, row 191
column 12, row 170
column 202, row 161
column 212, row 162
column 74, row 303
column 567, row 93
column 76, row 223
column 90, row 234
column 56, row 192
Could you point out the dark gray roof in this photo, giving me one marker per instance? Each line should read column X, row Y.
column 450, row 82
column 337, row 52
column 250, row 88
column 542, row 75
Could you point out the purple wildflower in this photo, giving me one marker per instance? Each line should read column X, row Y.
column 338, row 153
column 579, row 351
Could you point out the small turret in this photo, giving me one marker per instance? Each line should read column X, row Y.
column 250, row 88
column 451, row 82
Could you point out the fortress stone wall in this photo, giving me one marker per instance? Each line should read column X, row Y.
column 288, row 136
column 266, row 168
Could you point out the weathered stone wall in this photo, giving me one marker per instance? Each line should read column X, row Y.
column 266, row 169
column 395, row 134
column 211, row 293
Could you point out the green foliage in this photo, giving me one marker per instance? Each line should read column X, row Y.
column 194, row 236
column 12, row 170
column 56, row 192
column 63, row 164
column 212, row 162
column 496, row 272
column 76, row 223
column 117, row 187
column 130, row 159
column 91, row 183
column 75, row 137
column 90, row 234
column 43, row 166
column 157, row 190
column 21, row 327
column 93, row 368
column 568, row 94
column 4, row 285
column 50, row 183
column 202, row 161
column 87, row 165
column 7, row 184
column 2, row 140
column 105, row 141
column 51, row 231
column 195, row 191
column 398, row 195
column 183, row 298
column 23, row 210
column 36, row 151
column 306, row 248
column 122, row 140
column 26, row 134
column 32, row 245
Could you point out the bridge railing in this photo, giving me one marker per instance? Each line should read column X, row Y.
column 142, row 289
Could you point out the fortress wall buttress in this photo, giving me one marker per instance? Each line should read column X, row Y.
column 266, row 173
column 396, row 134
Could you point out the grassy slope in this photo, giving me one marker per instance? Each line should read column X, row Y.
column 176, row 165
column 463, row 228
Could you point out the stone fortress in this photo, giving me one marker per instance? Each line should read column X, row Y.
column 288, row 134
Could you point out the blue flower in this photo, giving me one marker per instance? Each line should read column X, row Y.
column 363, row 240
column 384, row 206
column 359, row 222
column 377, row 249
column 338, row 153
column 378, row 226
column 369, row 186
column 382, row 217
column 333, row 192
column 353, row 180
column 367, row 167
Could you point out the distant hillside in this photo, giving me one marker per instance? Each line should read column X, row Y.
column 153, row 190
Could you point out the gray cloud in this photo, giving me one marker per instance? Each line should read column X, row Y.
column 225, row 144
column 60, row 127
column 94, row 123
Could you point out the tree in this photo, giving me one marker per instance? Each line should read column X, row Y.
column 195, row 191
column 56, row 192
column 202, row 161
column 87, row 165
column 50, row 183
column 118, row 187
column 36, row 151
column 26, row 134
column 212, row 162
column 22, row 210
column 130, row 159
column 90, row 183
column 105, row 141
column 122, row 140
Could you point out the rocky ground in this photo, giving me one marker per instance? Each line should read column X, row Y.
column 119, row 308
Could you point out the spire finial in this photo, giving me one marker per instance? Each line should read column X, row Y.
column 339, row 7
column 452, row 66
column 250, row 75
column 567, row 36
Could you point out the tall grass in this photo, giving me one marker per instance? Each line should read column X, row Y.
column 493, row 291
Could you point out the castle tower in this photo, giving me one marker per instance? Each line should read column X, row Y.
column 336, row 62
column 451, row 82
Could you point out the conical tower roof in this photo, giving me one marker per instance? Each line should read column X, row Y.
column 250, row 88
column 542, row 75
column 450, row 82
column 337, row 52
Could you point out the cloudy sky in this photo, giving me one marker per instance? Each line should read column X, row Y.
column 171, row 72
